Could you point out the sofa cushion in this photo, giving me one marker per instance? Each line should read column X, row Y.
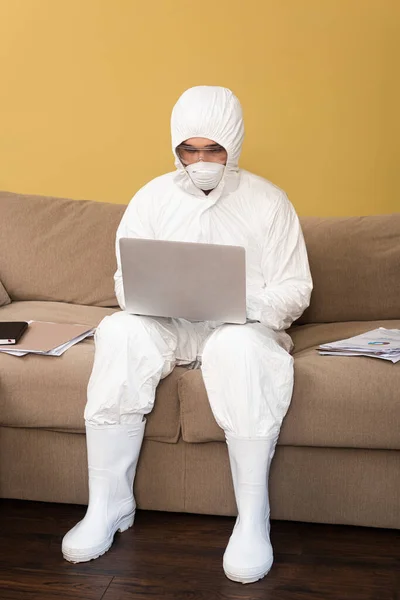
column 58, row 250
column 337, row 401
column 355, row 263
column 4, row 297
column 50, row 392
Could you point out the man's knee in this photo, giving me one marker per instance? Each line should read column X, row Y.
column 111, row 325
column 232, row 340
column 237, row 340
column 118, row 326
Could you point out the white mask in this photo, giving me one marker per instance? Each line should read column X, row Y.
column 205, row 175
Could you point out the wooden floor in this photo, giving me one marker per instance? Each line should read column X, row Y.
column 179, row 557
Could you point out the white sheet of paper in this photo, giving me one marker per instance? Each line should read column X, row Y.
column 395, row 358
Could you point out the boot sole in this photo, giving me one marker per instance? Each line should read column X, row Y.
column 76, row 556
column 247, row 577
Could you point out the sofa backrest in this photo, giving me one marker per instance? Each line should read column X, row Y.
column 355, row 265
column 63, row 250
column 58, row 250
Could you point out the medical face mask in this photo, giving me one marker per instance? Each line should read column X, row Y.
column 205, row 175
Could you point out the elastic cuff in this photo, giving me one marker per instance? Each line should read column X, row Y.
column 137, row 425
column 234, row 436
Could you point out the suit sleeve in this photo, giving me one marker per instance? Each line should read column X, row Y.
column 136, row 223
column 287, row 279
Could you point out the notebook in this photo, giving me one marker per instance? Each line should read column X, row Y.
column 12, row 331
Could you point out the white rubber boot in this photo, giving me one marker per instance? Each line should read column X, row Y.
column 113, row 452
column 249, row 556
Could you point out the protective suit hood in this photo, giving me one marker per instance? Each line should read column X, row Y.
column 214, row 113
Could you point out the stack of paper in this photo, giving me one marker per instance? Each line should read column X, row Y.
column 48, row 339
column 378, row 343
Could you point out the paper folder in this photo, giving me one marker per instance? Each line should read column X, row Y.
column 42, row 337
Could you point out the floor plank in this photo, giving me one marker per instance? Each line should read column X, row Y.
column 40, row 584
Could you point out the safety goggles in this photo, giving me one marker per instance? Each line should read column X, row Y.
column 191, row 154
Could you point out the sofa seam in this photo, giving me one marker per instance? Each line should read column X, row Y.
column 184, row 476
column 182, row 410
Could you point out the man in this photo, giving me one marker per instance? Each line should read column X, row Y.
column 247, row 369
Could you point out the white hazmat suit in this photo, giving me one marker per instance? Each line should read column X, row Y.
column 247, row 369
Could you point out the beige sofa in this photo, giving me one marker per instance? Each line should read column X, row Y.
column 338, row 459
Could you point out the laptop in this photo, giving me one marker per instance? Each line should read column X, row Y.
column 197, row 282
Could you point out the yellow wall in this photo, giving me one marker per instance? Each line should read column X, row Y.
column 87, row 86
